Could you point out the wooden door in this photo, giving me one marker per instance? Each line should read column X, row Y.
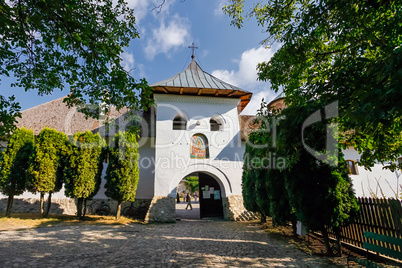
column 210, row 197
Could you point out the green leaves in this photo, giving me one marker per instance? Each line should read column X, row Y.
column 84, row 165
column 9, row 111
column 122, row 174
column 349, row 51
column 14, row 162
column 66, row 50
column 48, row 157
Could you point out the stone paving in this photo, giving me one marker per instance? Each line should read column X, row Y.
column 190, row 242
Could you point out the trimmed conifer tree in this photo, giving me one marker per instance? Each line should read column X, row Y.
column 122, row 173
column 83, row 170
column 320, row 193
column 253, row 186
column 45, row 173
column 14, row 165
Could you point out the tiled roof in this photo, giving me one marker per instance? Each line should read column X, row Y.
column 247, row 125
column 55, row 114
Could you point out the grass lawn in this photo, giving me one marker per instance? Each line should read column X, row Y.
column 20, row 221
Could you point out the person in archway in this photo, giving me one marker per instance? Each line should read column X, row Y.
column 178, row 197
column 188, row 199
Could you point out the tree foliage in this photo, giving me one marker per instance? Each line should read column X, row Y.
column 47, row 46
column 14, row 164
column 192, row 183
column 310, row 177
column 45, row 173
column 9, row 111
column 254, row 174
column 291, row 165
column 349, row 51
column 122, row 174
column 84, row 166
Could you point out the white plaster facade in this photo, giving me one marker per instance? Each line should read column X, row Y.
column 377, row 182
column 173, row 146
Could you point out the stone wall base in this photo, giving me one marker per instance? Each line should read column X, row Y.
column 233, row 209
column 162, row 209
column 66, row 206
column 32, row 205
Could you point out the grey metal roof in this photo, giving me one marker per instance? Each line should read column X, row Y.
column 194, row 77
column 280, row 96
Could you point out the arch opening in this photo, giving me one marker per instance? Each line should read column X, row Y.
column 205, row 194
column 179, row 123
column 216, row 123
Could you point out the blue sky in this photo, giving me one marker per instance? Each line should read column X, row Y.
column 162, row 51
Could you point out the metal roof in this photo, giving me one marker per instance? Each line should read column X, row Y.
column 194, row 81
column 193, row 76
column 280, row 96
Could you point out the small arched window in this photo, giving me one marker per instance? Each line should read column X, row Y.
column 352, row 167
column 179, row 123
column 216, row 123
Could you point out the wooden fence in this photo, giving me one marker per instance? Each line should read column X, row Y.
column 382, row 216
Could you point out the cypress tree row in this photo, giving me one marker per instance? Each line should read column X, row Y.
column 14, row 164
column 254, row 190
column 45, row 173
column 84, row 166
column 303, row 186
column 321, row 193
column 122, row 173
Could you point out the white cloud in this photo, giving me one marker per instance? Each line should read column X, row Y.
column 144, row 7
column 246, row 75
column 141, row 8
column 168, row 37
column 218, row 9
column 255, row 103
column 127, row 61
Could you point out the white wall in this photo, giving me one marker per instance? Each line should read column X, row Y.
column 380, row 182
column 173, row 160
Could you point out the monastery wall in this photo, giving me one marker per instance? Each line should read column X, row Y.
column 378, row 182
column 173, row 159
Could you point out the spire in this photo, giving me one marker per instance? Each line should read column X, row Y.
column 193, row 48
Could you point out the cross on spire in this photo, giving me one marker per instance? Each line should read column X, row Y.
column 193, row 48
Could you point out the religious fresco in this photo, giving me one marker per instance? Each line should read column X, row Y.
column 199, row 147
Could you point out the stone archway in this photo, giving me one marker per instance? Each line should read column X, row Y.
column 163, row 208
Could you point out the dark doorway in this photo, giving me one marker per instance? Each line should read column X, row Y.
column 210, row 197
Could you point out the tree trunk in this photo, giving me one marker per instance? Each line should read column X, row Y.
column 118, row 210
column 79, row 208
column 294, row 227
column 263, row 218
column 42, row 197
column 9, row 205
column 85, row 208
column 326, row 241
column 338, row 235
column 49, row 203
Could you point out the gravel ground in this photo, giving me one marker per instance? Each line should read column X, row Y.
column 191, row 242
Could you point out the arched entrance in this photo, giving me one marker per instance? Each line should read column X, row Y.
column 206, row 198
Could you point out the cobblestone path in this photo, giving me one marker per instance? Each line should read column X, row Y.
column 188, row 243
